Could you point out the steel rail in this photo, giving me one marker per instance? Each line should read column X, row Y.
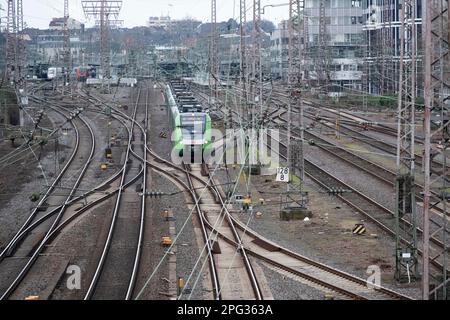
column 100, row 265
column 240, row 246
column 9, row 247
column 299, row 273
column 138, row 254
column 322, row 174
column 60, row 214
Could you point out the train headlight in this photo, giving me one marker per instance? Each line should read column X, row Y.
column 206, row 141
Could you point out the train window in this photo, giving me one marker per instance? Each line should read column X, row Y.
column 192, row 122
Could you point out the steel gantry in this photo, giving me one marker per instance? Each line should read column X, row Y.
column 406, row 218
column 105, row 11
column 296, row 27
column 437, row 142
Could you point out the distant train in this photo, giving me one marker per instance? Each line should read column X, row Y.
column 84, row 73
column 54, row 73
column 190, row 122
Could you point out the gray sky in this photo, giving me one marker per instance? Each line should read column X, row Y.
column 38, row 13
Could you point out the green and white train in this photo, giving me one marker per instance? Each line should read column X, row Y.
column 190, row 122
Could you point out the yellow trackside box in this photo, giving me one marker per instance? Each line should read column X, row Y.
column 167, row 241
column 104, row 167
column 180, row 283
column 108, row 153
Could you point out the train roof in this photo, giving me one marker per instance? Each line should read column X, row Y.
column 184, row 98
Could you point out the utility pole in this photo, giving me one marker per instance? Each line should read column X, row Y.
column 295, row 84
column 21, row 48
column 11, row 43
column 406, row 218
column 104, row 42
column 257, row 80
column 16, row 52
column 243, row 60
column 214, row 59
column 437, row 137
column 67, row 51
column 366, row 68
column 257, row 72
column 323, row 75
column 386, row 49
column 104, row 11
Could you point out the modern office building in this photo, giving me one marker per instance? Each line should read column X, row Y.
column 342, row 45
column 382, row 31
column 341, row 48
column 279, row 52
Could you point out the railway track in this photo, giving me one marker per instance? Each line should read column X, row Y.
column 331, row 279
column 78, row 205
column 346, row 285
column 212, row 210
column 367, row 166
column 436, row 166
column 372, row 210
column 47, row 197
column 380, row 173
column 77, row 166
column 117, row 268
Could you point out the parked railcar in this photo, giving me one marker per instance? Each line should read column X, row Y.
column 83, row 73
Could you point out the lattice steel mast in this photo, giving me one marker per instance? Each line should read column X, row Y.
column 214, row 59
column 67, row 52
column 437, row 139
column 243, row 59
column 257, row 72
column 323, row 74
column 21, row 48
column 104, row 42
column 406, row 220
column 15, row 45
column 11, row 43
column 387, row 50
column 295, row 84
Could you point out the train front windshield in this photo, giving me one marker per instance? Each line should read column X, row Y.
column 194, row 127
